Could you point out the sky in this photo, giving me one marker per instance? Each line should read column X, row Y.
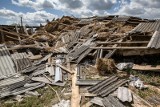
column 35, row 12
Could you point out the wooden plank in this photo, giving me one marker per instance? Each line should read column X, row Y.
column 75, row 97
column 88, row 94
column 146, row 67
column 12, row 26
column 118, row 48
column 25, row 30
column 66, row 69
column 68, row 66
column 138, row 52
column 114, row 50
column 139, row 102
column 2, row 34
column 84, row 54
column 12, row 38
column 24, row 46
column 135, row 42
column 14, row 33
column 18, row 33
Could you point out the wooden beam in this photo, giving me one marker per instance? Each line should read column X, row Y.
column 107, row 48
column 146, row 67
column 66, row 69
column 136, row 42
column 12, row 37
column 139, row 52
column 88, row 94
column 2, row 35
column 75, row 96
column 113, row 51
column 14, row 33
column 12, row 26
column 25, row 46
column 140, row 102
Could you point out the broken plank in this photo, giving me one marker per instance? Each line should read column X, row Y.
column 88, row 94
column 75, row 97
column 87, row 82
column 139, row 52
column 69, row 67
column 66, row 69
column 14, row 33
column 25, row 46
column 12, row 38
column 146, row 67
column 114, row 50
column 135, row 42
column 140, row 102
column 35, row 57
column 118, row 48
column 2, row 39
column 45, row 80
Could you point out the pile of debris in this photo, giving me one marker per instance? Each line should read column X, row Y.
column 92, row 55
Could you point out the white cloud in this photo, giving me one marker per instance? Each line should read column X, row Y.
column 75, row 7
column 141, row 8
column 99, row 4
column 72, row 4
column 37, row 4
column 89, row 7
column 30, row 18
column 85, row 8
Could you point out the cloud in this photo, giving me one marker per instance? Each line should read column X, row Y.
column 72, row 4
column 30, row 18
column 77, row 8
column 86, row 8
column 149, row 3
column 140, row 8
column 99, row 4
column 5, row 13
column 37, row 4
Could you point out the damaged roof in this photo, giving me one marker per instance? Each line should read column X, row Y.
column 147, row 27
column 7, row 66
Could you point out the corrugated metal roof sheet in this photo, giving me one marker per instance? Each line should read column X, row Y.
column 155, row 40
column 21, row 60
column 147, row 27
column 121, row 18
column 77, row 52
column 107, row 86
column 11, row 80
column 7, row 67
column 111, row 101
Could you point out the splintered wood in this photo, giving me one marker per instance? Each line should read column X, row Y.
column 75, row 98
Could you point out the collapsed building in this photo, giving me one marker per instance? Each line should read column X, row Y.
column 61, row 50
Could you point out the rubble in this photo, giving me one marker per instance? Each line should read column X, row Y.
column 82, row 55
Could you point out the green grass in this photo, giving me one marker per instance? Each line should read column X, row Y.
column 47, row 98
column 149, row 77
column 147, row 93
